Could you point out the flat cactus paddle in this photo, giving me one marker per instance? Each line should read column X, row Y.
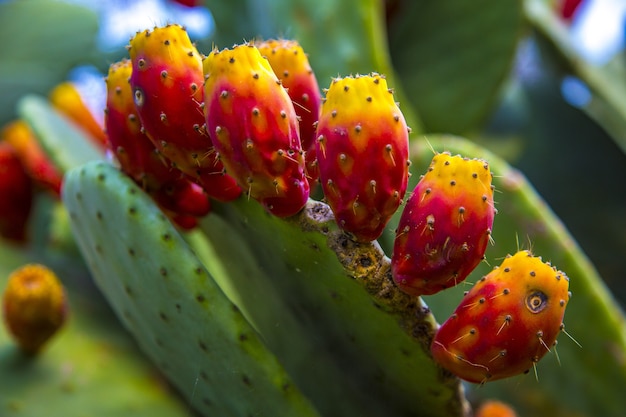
column 168, row 301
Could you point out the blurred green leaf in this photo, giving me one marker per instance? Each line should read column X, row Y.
column 452, row 57
column 607, row 82
column 91, row 367
column 41, row 41
column 66, row 145
column 341, row 38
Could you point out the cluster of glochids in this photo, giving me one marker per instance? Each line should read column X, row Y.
column 250, row 119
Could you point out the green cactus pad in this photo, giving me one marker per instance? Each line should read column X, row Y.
column 64, row 143
column 327, row 307
column 91, row 367
column 170, row 303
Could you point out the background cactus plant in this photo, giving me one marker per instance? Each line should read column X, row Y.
column 320, row 310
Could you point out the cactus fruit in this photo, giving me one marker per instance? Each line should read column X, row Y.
column 291, row 65
column 37, row 164
column 16, row 195
column 493, row 408
column 166, row 81
column 176, row 194
column 34, row 306
column 66, row 98
column 362, row 153
column 254, row 128
column 506, row 323
column 445, row 226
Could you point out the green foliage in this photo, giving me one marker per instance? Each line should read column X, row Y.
column 606, row 82
column 300, row 282
column 452, row 60
column 169, row 302
column 41, row 41
column 65, row 144
column 90, row 366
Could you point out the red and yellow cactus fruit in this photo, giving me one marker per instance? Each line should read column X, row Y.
column 36, row 163
column 16, row 195
column 362, row 152
column 254, row 128
column 34, row 306
column 506, row 323
column 167, row 82
column 182, row 200
column 493, row 408
column 66, row 98
column 291, row 66
column 445, row 226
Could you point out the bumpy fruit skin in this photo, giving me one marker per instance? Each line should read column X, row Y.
column 167, row 85
column 36, row 163
column 34, row 306
column 445, row 226
column 171, row 189
column 16, row 195
column 66, row 98
column 362, row 152
column 291, row 65
column 254, row 128
column 506, row 323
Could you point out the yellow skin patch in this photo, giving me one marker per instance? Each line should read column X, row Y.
column 66, row 98
column 34, row 306
column 173, row 46
column 359, row 99
column 285, row 57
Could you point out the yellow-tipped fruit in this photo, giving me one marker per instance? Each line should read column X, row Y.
column 34, row 306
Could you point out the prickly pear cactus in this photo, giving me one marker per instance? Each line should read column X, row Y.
column 175, row 309
column 333, row 299
column 250, row 314
column 167, row 299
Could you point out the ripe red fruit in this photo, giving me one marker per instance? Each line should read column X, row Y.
column 254, row 128
column 36, row 163
column 362, row 152
column 167, row 85
column 16, row 195
column 445, row 225
column 291, row 65
column 138, row 157
column 506, row 323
